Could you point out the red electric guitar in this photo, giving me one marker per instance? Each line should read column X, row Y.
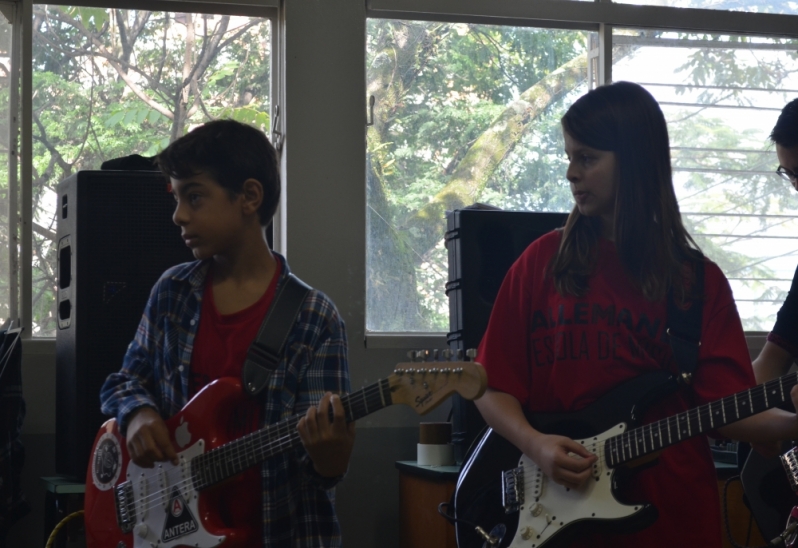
column 177, row 505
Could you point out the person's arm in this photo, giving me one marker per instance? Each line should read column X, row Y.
column 148, row 438
column 725, row 367
column 769, row 426
column 328, row 444
column 127, row 394
column 773, row 362
column 562, row 459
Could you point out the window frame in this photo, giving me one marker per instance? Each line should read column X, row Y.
column 598, row 16
column 22, row 254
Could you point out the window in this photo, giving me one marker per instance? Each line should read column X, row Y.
column 110, row 83
column 721, row 96
column 462, row 113
column 9, row 101
column 773, row 6
column 440, row 91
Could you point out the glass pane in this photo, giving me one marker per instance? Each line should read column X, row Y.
column 722, row 96
column 110, row 83
column 755, row 6
column 462, row 114
column 7, row 146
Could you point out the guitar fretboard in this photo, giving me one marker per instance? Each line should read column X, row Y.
column 641, row 441
column 236, row 456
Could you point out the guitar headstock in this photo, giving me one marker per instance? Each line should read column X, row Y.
column 432, row 377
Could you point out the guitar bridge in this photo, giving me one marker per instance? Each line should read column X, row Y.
column 125, row 507
column 790, row 462
column 513, row 489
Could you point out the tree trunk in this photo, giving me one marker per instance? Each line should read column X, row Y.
column 423, row 230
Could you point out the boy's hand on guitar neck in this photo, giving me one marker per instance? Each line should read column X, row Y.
column 329, row 443
column 148, row 439
column 561, row 459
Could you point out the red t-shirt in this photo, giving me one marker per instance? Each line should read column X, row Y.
column 222, row 341
column 220, row 349
column 560, row 353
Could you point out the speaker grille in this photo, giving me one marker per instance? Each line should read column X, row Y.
column 116, row 230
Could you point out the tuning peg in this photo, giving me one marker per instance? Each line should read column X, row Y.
column 447, row 354
column 471, row 353
column 435, row 354
column 411, row 355
column 459, row 355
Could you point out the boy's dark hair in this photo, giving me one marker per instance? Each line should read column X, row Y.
column 231, row 153
column 785, row 132
column 651, row 240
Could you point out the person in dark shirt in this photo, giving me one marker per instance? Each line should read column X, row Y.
column 782, row 343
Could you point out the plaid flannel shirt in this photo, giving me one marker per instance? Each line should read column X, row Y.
column 298, row 504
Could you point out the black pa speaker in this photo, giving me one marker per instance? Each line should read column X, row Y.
column 482, row 244
column 115, row 238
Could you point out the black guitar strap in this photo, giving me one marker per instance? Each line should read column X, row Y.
column 684, row 326
column 266, row 350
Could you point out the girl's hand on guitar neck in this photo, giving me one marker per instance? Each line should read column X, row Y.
column 148, row 439
column 561, row 459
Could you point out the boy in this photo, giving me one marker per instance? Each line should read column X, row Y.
column 202, row 317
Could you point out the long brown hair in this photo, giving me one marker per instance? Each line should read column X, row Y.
column 651, row 240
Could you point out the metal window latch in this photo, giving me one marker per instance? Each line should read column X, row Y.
column 277, row 136
column 370, row 114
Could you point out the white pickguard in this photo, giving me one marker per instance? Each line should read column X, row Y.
column 549, row 507
column 166, row 505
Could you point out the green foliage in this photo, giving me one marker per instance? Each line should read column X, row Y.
column 439, row 87
column 109, row 83
column 442, row 88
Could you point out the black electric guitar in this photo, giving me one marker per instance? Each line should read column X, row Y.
column 768, row 491
column 502, row 491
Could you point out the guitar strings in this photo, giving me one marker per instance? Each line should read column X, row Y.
column 272, row 439
column 743, row 407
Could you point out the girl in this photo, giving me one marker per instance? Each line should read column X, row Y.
column 584, row 309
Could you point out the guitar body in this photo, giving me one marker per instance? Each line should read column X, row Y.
column 169, row 512
column 212, row 497
column 768, row 491
column 547, row 514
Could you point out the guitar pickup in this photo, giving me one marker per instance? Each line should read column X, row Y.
column 125, row 507
column 790, row 462
column 513, row 489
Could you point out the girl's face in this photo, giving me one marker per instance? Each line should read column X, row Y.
column 593, row 175
column 788, row 161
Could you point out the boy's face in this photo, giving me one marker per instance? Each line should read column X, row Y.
column 210, row 220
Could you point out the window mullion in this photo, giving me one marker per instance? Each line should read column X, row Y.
column 605, row 54
column 13, row 165
column 26, row 169
column 586, row 15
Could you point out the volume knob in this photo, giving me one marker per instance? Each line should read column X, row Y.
column 141, row 530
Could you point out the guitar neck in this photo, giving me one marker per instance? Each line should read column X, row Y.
column 649, row 438
column 236, row 456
